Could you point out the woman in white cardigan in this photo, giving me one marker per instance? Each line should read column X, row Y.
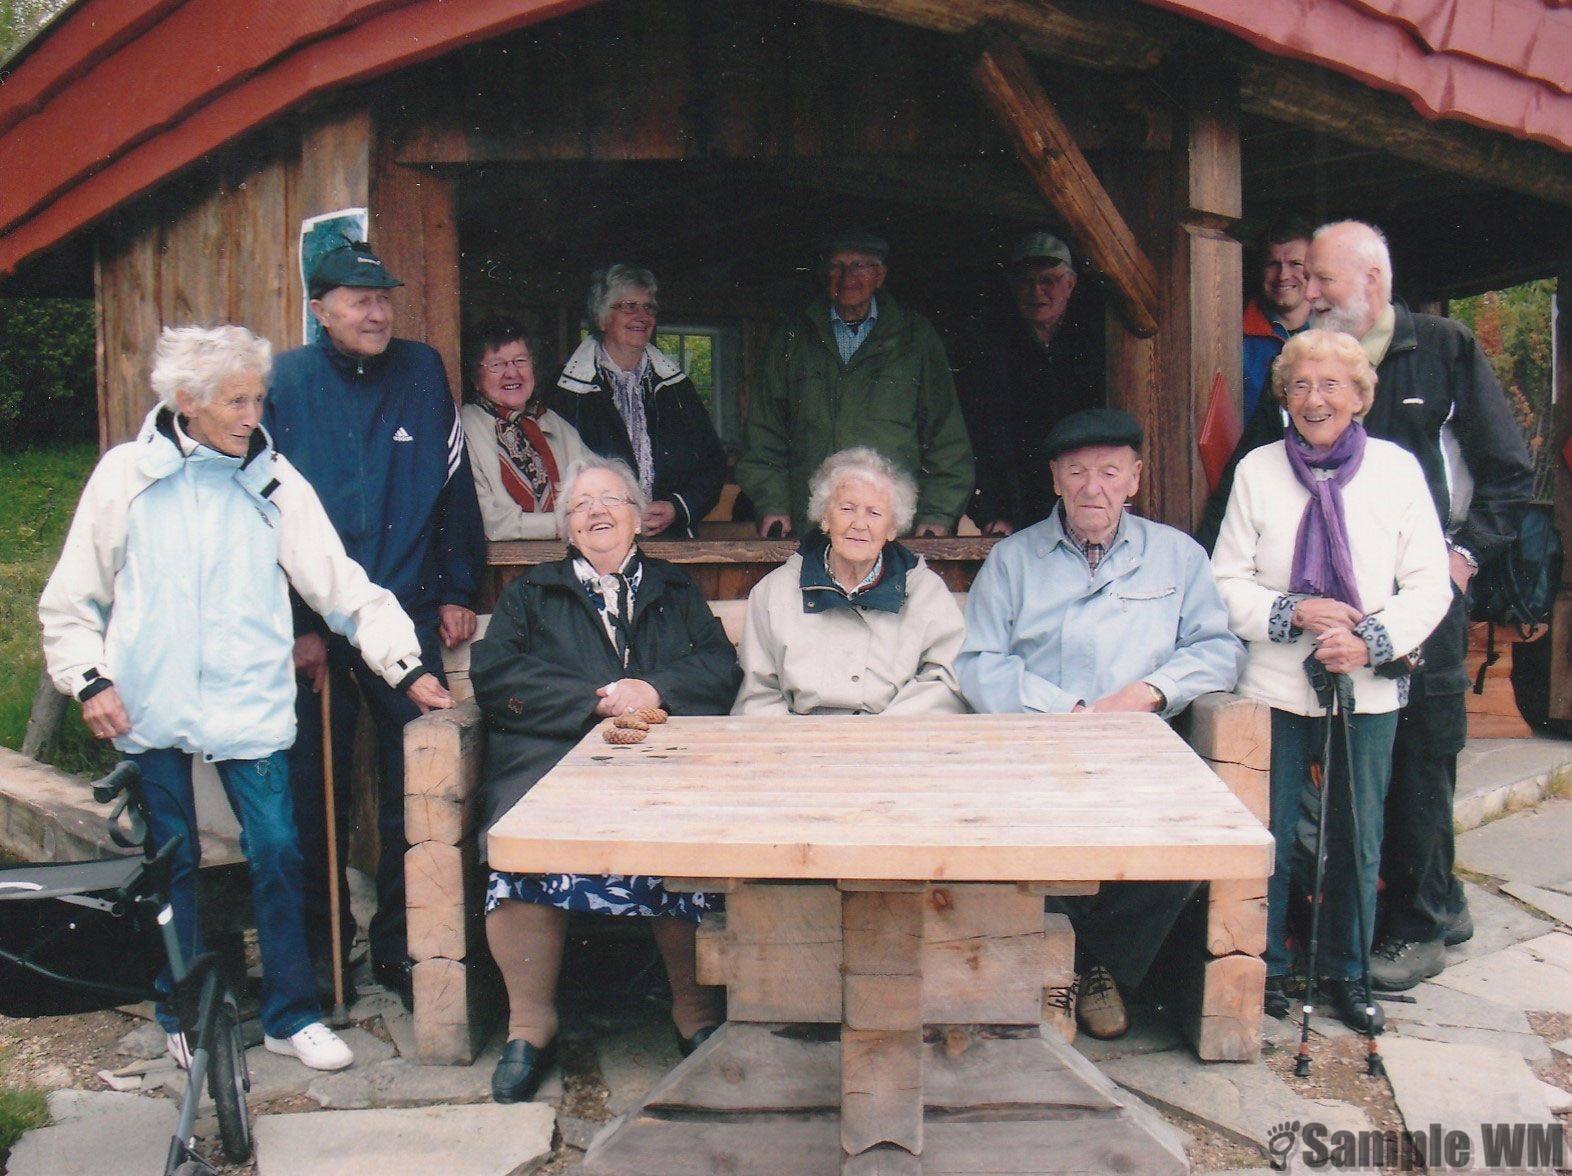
column 1330, row 557
column 854, row 623
column 518, row 447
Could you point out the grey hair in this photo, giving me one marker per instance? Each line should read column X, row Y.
column 1368, row 246
column 583, row 466
column 862, row 464
column 606, row 284
column 196, row 360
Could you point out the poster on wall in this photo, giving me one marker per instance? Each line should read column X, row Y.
column 319, row 234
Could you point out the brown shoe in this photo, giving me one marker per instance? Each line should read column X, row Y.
column 1101, row 1010
column 1059, row 1009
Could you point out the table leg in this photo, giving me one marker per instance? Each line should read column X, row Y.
column 881, row 1034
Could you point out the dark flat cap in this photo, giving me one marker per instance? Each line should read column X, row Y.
column 1093, row 426
column 860, row 240
column 349, row 265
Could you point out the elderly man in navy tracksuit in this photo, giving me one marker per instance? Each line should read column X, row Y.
column 371, row 423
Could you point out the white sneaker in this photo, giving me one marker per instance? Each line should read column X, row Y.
column 179, row 1050
column 316, row 1046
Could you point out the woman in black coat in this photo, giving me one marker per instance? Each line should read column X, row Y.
column 602, row 632
column 630, row 400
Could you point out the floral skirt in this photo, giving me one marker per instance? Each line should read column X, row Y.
column 601, row 894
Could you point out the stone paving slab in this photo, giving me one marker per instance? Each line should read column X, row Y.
column 398, row 1082
column 88, row 1128
column 1460, row 1088
column 1534, row 975
column 1495, row 776
column 1529, row 1046
column 1440, row 1013
column 1245, row 1101
column 1524, row 847
column 1151, row 1031
column 633, row 1060
column 480, row 1140
column 1556, row 903
column 1498, row 923
column 277, row 1076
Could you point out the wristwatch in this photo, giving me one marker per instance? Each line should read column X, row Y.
column 1162, row 699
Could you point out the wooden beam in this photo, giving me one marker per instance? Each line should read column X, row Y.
column 1305, row 96
column 1050, row 155
column 1560, row 434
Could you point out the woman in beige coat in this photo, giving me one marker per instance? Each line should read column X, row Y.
column 518, row 447
column 854, row 623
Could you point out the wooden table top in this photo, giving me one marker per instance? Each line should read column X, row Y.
column 982, row 798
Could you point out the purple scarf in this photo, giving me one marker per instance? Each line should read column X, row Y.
column 1323, row 564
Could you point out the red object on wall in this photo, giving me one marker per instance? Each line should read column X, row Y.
column 1219, row 434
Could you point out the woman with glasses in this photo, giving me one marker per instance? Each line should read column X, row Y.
column 518, row 447
column 1331, row 562
column 604, row 631
column 631, row 401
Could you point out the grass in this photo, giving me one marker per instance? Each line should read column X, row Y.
column 41, row 488
column 22, row 1108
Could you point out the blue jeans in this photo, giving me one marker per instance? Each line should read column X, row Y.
column 258, row 791
column 1351, row 871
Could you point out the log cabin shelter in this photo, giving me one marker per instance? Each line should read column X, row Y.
column 160, row 156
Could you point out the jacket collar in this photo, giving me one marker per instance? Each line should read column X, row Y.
column 1405, row 337
column 820, row 591
column 161, row 455
column 892, row 317
column 1128, row 538
column 559, row 575
column 579, row 374
column 352, row 365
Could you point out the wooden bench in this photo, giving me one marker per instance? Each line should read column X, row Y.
column 458, row 995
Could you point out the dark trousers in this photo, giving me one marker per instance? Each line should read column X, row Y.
column 1417, row 854
column 1123, row 925
column 354, row 683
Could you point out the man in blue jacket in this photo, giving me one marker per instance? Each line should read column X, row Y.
column 370, row 421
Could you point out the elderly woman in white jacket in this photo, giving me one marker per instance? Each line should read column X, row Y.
column 1330, row 558
column 168, row 618
column 853, row 623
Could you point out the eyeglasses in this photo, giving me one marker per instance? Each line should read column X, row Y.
column 855, row 268
column 609, row 501
column 629, row 306
column 1299, row 389
column 497, row 366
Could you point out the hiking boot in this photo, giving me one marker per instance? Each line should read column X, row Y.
column 1347, row 1000
column 316, row 1046
column 1398, row 964
column 1459, row 927
column 1059, row 1009
column 1277, row 1002
column 1100, row 1009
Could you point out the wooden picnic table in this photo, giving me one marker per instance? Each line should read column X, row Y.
column 884, row 945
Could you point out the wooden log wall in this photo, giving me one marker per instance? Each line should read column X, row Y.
column 1560, row 434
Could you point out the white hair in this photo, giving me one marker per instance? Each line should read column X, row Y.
column 197, row 360
column 1367, row 244
column 584, row 465
column 862, row 464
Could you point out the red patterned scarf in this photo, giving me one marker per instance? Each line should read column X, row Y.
column 529, row 471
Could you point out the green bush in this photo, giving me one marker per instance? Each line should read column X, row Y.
column 48, row 374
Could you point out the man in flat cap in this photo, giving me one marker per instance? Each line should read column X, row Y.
column 1096, row 609
column 371, row 423
column 1018, row 374
column 854, row 368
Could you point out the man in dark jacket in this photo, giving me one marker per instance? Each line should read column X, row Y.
column 1280, row 309
column 370, row 421
column 1019, row 378
column 1437, row 397
column 854, row 368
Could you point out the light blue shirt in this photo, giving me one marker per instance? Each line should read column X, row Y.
column 847, row 337
column 1043, row 632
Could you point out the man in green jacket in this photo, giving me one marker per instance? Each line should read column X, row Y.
column 854, row 368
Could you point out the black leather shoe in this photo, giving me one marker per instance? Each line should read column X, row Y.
column 1277, row 1002
column 686, row 1045
column 520, row 1070
column 397, row 978
column 1347, row 998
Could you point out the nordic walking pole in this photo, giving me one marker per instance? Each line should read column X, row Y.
column 1374, row 1066
column 1319, row 775
column 340, row 1015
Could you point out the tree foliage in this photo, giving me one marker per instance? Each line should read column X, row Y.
column 1513, row 328
column 48, row 378
column 20, row 19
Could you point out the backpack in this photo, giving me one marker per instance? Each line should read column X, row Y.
column 1518, row 587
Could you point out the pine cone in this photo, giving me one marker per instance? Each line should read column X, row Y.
column 652, row 715
column 632, row 721
column 624, row 735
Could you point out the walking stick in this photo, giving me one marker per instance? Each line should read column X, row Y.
column 1318, row 776
column 340, row 1015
